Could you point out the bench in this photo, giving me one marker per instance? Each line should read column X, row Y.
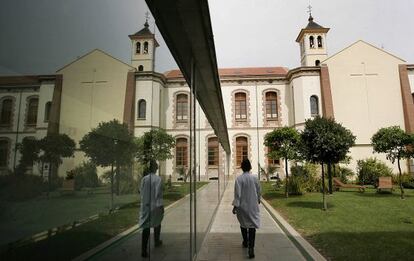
column 68, row 187
column 338, row 184
column 384, row 183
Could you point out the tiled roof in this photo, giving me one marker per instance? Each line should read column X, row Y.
column 313, row 25
column 143, row 31
column 239, row 72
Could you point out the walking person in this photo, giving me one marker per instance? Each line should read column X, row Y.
column 246, row 205
column 152, row 207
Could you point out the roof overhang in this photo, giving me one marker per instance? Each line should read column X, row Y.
column 311, row 31
column 186, row 28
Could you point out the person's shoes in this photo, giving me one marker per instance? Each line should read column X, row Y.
column 158, row 243
column 251, row 252
column 144, row 254
column 244, row 244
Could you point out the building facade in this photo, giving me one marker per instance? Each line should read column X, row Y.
column 362, row 87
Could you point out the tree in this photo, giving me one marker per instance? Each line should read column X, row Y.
column 268, row 171
column 155, row 144
column 325, row 141
column 110, row 144
column 396, row 144
column 283, row 143
column 55, row 147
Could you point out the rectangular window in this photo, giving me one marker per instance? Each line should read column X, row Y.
column 213, row 156
column 240, row 106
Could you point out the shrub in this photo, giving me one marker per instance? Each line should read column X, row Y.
column 370, row 170
column 20, row 187
column 344, row 174
column 85, row 175
column 296, row 185
column 407, row 180
column 308, row 174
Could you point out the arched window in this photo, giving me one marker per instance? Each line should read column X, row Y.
column 311, row 42
column 6, row 112
column 138, row 47
column 314, row 105
column 271, row 161
column 271, row 105
column 29, row 143
column 4, row 153
column 412, row 95
column 145, row 47
column 240, row 106
column 317, row 63
column 142, row 109
column 182, row 107
column 140, row 68
column 181, row 149
column 319, row 41
column 31, row 117
column 241, row 150
column 48, row 107
column 213, row 151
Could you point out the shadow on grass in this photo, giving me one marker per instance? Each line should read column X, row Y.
column 395, row 245
column 309, row 204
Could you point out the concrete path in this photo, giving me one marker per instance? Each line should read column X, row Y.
column 175, row 231
column 224, row 241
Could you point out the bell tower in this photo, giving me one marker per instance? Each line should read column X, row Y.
column 313, row 43
column 143, row 48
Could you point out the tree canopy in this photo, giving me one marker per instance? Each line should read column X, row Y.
column 283, row 143
column 108, row 143
column 326, row 141
column 155, row 144
column 396, row 144
column 55, row 147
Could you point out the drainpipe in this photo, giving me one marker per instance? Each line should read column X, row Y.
column 17, row 132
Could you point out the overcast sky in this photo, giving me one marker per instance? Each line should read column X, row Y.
column 41, row 36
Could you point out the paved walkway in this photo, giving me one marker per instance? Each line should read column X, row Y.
column 222, row 242
column 175, row 231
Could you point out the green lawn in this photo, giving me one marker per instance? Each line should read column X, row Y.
column 72, row 243
column 357, row 226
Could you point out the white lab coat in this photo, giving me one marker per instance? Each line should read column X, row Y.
column 246, row 200
column 152, row 207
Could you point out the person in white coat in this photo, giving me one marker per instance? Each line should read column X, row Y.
column 246, row 205
column 152, row 207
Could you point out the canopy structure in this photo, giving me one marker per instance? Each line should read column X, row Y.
column 186, row 28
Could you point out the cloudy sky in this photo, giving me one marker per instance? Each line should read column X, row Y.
column 39, row 37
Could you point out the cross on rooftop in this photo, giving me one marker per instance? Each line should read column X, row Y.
column 147, row 16
column 309, row 10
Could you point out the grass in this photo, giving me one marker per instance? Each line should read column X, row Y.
column 356, row 226
column 70, row 244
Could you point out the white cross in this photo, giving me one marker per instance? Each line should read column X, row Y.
column 92, row 83
column 365, row 77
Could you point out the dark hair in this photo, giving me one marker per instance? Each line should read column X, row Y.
column 245, row 165
column 151, row 167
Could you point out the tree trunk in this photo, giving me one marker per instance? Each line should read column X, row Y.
column 325, row 205
column 399, row 179
column 118, row 178
column 330, row 177
column 112, row 186
column 287, row 179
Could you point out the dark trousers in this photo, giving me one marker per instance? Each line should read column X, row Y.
column 146, row 235
column 249, row 235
